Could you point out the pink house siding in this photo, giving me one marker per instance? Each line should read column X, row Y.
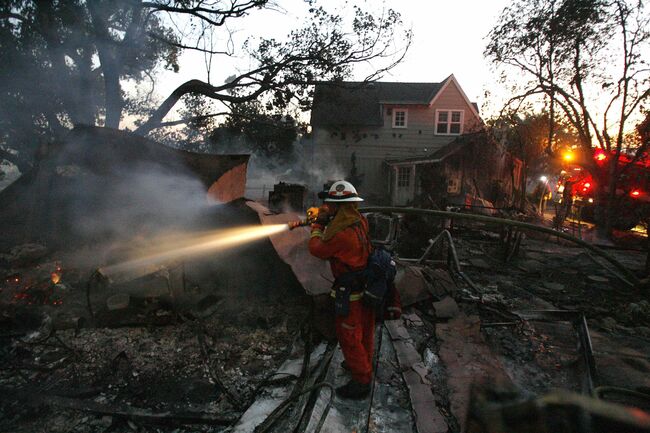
column 375, row 143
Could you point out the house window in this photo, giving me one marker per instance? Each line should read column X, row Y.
column 404, row 176
column 449, row 122
column 400, row 118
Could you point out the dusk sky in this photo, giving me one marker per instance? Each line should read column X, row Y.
column 449, row 37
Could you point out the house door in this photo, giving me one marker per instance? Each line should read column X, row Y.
column 403, row 186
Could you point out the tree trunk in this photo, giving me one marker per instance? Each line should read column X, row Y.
column 524, row 179
column 113, row 91
column 109, row 64
column 646, row 222
column 611, row 196
column 156, row 118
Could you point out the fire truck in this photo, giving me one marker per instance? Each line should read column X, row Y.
column 632, row 193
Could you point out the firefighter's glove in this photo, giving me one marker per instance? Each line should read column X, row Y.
column 312, row 214
column 323, row 216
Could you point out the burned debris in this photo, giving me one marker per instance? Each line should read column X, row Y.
column 118, row 331
column 459, row 271
column 166, row 351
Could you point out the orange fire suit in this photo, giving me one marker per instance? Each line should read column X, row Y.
column 348, row 251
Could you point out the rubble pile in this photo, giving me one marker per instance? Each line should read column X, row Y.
column 165, row 369
column 206, row 345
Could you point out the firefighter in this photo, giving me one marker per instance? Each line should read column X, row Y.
column 340, row 235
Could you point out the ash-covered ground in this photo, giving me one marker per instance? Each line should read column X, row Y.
column 198, row 368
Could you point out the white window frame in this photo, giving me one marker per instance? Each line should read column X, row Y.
column 406, row 117
column 449, row 122
column 404, row 176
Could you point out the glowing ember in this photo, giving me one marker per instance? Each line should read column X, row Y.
column 56, row 277
column 189, row 246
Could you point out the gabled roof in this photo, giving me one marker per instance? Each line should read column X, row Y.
column 349, row 103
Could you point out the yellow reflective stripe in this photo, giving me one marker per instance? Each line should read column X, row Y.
column 353, row 296
column 316, row 234
column 356, row 296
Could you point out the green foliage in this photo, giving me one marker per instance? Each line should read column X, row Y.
column 587, row 61
column 324, row 50
column 583, row 57
column 526, row 137
column 66, row 62
column 51, row 77
column 250, row 128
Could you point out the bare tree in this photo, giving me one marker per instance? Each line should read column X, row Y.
column 585, row 58
column 320, row 51
column 65, row 62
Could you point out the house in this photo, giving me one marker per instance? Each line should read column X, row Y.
column 473, row 171
column 358, row 127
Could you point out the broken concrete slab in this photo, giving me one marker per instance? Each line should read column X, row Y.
column 396, row 330
column 428, row 417
column 388, row 412
column 411, row 283
column 446, row 309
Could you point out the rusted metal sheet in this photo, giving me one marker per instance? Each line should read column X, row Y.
column 314, row 274
column 230, row 186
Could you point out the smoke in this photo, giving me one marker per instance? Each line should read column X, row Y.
column 146, row 198
column 304, row 167
column 113, row 194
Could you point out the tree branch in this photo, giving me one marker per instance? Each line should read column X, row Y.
column 236, row 10
column 191, row 119
column 12, row 15
column 182, row 46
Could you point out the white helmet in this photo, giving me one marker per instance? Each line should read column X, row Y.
column 342, row 191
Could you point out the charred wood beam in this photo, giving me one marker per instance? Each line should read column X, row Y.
column 630, row 276
column 37, row 399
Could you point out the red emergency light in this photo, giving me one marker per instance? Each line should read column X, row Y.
column 635, row 193
column 599, row 155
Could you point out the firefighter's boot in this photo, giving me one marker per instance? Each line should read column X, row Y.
column 354, row 390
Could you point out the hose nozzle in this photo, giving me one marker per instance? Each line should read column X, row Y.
column 312, row 216
column 299, row 223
